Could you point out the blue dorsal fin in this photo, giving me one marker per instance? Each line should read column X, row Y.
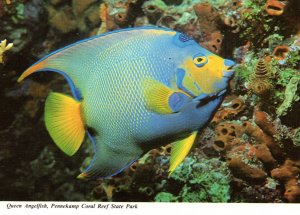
column 102, row 36
column 77, row 60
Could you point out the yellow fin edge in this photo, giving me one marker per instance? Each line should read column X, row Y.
column 82, row 176
column 180, row 150
column 31, row 70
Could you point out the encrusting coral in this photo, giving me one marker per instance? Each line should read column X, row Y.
column 230, row 108
column 268, row 79
column 79, row 15
column 280, row 52
column 275, row 7
column 198, row 19
column 4, row 48
column 246, row 148
column 289, row 174
column 253, row 150
column 117, row 14
column 260, row 150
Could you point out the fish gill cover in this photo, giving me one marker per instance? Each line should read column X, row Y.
column 250, row 150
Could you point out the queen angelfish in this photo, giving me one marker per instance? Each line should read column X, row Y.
column 137, row 89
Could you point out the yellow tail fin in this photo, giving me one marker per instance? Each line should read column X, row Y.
column 64, row 122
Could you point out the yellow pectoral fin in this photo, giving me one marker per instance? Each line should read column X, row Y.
column 64, row 122
column 157, row 96
column 180, row 150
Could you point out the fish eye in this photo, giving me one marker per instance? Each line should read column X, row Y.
column 200, row 61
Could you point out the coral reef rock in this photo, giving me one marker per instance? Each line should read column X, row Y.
column 79, row 15
column 198, row 19
column 289, row 174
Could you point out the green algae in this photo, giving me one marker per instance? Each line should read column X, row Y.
column 290, row 96
column 203, row 180
column 296, row 138
column 165, row 197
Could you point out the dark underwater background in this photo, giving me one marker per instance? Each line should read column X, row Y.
column 250, row 152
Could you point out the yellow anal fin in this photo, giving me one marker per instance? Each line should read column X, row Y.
column 157, row 96
column 64, row 122
column 180, row 150
column 31, row 70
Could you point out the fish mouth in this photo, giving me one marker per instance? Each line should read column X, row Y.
column 228, row 73
column 230, row 68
